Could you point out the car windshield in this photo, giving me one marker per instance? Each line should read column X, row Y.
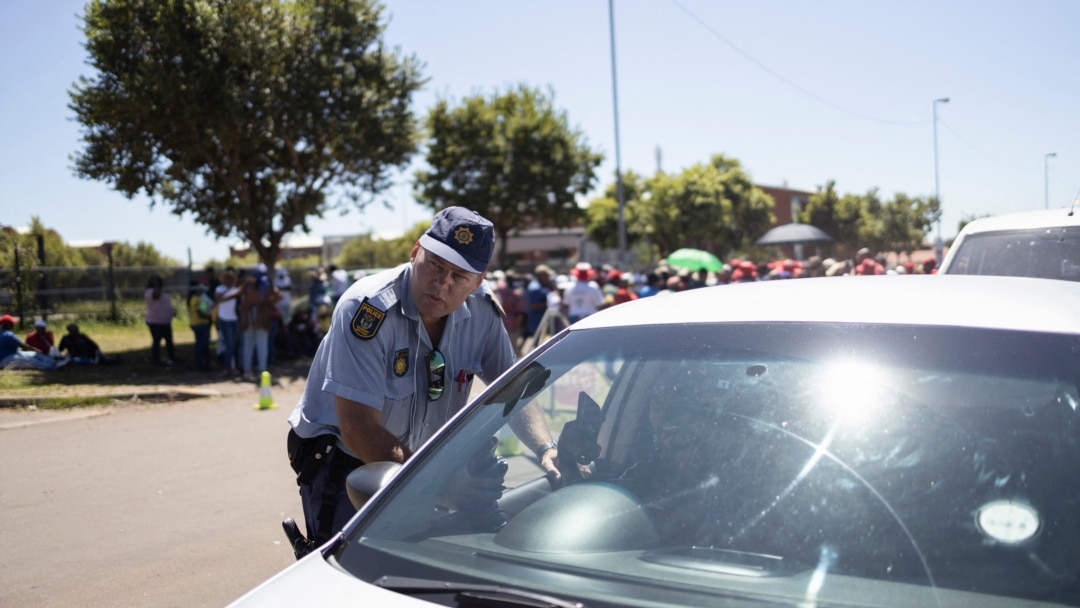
column 1047, row 253
column 780, row 464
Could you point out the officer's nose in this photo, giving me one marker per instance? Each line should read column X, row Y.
column 444, row 279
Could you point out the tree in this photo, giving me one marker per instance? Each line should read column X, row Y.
column 602, row 214
column 905, row 222
column 513, row 158
column 366, row 251
column 19, row 275
column 252, row 116
column 839, row 216
column 142, row 254
column 712, row 206
column 856, row 221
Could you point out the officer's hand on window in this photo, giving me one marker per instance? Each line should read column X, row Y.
column 477, row 488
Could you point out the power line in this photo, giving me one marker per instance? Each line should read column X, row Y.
column 784, row 79
column 975, row 149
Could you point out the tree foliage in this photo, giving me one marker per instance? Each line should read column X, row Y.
column 512, row 157
column 251, row 116
column 366, row 251
column 856, row 221
column 602, row 214
column 712, row 206
column 59, row 254
column 18, row 271
column 141, row 254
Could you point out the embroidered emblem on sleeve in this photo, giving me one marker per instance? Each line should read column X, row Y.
column 401, row 362
column 366, row 321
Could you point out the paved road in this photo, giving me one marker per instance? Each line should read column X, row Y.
column 145, row 505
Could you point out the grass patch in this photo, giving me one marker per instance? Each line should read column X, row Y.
column 131, row 343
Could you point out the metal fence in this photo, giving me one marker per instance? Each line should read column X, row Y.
column 102, row 292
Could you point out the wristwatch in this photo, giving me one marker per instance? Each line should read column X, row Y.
column 540, row 451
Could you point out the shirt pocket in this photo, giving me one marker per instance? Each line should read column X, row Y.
column 461, row 382
column 397, row 409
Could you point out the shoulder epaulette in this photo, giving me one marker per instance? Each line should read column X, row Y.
column 493, row 298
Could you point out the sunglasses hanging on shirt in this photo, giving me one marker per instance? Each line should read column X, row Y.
column 436, row 374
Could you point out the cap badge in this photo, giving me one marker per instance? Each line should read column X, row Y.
column 463, row 235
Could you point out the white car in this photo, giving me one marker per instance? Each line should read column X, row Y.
column 1040, row 244
column 872, row 441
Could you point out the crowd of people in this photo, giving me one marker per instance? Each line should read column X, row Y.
column 540, row 303
column 40, row 351
column 252, row 315
column 257, row 319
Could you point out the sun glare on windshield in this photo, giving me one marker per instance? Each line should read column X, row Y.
column 852, row 391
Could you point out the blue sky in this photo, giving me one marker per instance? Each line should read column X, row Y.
column 799, row 92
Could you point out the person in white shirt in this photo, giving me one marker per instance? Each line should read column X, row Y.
column 228, row 322
column 584, row 296
column 339, row 282
column 284, row 285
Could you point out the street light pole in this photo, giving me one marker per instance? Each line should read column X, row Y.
column 1046, row 176
column 939, row 243
column 619, row 196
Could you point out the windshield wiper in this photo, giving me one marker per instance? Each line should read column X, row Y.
column 468, row 594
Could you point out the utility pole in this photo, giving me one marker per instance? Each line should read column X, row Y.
column 939, row 243
column 619, row 196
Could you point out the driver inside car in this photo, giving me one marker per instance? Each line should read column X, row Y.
column 677, row 468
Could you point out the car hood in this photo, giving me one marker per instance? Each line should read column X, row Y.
column 314, row 582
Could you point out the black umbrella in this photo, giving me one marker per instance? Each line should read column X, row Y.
column 793, row 234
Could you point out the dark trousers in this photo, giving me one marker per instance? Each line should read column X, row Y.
column 313, row 477
column 202, row 345
column 161, row 332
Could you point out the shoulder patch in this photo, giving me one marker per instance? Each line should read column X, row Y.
column 366, row 321
column 401, row 362
column 493, row 298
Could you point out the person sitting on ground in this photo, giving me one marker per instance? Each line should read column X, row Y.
column 41, row 339
column 302, row 334
column 16, row 354
column 80, row 348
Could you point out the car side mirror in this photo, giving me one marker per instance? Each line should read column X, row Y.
column 363, row 482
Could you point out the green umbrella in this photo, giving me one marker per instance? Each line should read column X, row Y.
column 694, row 259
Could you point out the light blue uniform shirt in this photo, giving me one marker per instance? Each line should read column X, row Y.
column 374, row 354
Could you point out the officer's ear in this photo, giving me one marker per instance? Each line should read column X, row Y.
column 415, row 248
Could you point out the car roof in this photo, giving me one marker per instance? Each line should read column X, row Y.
column 1043, row 218
column 1012, row 303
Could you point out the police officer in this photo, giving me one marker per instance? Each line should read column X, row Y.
column 397, row 362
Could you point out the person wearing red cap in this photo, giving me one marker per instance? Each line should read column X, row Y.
column 583, row 297
column 16, row 354
column 41, row 339
column 623, row 293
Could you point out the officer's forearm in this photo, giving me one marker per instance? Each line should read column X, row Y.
column 529, row 425
column 364, row 436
